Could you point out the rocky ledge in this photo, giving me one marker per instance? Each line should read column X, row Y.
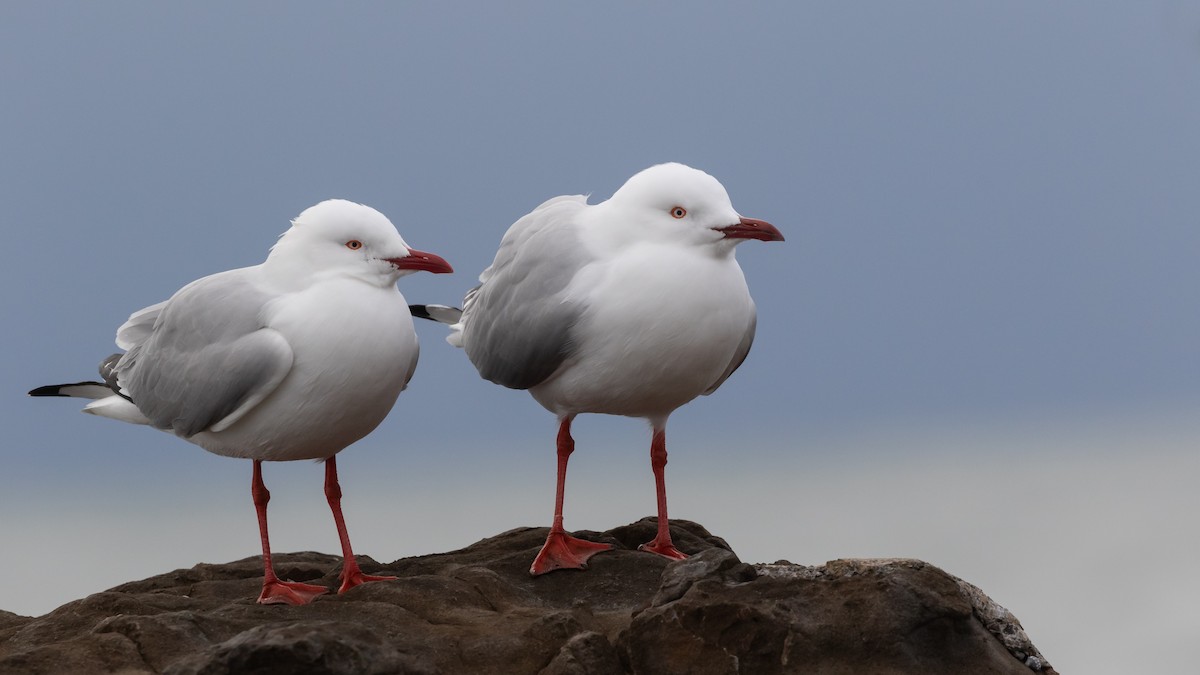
column 478, row 611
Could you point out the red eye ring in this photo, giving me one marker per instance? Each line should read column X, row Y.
column 678, row 212
column 354, row 244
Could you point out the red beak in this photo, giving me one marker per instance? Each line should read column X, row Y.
column 420, row 260
column 752, row 228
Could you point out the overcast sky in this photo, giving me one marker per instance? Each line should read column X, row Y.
column 978, row 345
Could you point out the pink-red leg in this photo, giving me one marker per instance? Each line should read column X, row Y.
column 275, row 591
column 351, row 574
column 658, row 461
column 561, row 550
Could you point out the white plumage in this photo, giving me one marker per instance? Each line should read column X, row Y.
column 295, row 358
column 633, row 306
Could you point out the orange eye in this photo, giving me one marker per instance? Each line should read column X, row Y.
column 678, row 212
column 354, row 244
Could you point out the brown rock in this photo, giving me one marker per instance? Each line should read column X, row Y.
column 586, row 653
column 848, row 616
column 478, row 611
column 310, row 647
column 8, row 619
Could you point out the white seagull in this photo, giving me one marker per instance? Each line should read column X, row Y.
column 633, row 307
column 295, row 358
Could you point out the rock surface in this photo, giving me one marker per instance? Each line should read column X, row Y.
column 478, row 611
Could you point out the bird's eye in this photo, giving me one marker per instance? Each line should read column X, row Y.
column 354, row 244
column 678, row 212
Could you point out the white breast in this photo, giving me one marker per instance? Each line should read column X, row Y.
column 662, row 323
column 344, row 380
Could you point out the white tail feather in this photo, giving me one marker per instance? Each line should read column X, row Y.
column 444, row 314
column 117, row 408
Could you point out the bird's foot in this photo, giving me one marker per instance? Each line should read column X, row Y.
column 278, row 592
column 564, row 552
column 354, row 577
column 664, row 548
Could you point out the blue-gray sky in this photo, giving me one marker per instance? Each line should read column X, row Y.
column 978, row 345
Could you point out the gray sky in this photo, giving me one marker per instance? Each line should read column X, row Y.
column 977, row 346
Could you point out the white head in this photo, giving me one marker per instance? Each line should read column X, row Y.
column 674, row 202
column 342, row 238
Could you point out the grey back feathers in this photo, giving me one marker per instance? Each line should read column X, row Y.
column 207, row 356
column 138, row 327
column 517, row 323
column 108, row 372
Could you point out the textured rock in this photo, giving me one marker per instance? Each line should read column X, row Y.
column 312, row 647
column 848, row 616
column 478, row 611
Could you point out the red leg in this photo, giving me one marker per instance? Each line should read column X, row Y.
column 351, row 574
column 275, row 591
column 658, row 461
column 561, row 550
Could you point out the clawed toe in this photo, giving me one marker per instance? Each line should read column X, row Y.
column 562, row 551
column 665, row 549
column 357, row 578
column 278, row 592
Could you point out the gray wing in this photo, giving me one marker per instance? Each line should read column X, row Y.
column 517, row 323
column 208, row 359
column 132, row 333
column 740, row 355
column 139, row 326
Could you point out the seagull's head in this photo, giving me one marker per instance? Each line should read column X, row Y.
column 339, row 237
column 674, row 202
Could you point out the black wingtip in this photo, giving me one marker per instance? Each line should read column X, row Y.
column 57, row 389
column 438, row 313
column 421, row 312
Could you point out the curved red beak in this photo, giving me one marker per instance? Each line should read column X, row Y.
column 752, row 228
column 422, row 261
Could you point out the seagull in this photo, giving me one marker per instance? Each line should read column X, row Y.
column 633, row 306
column 295, row 358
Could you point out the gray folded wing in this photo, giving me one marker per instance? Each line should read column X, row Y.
column 740, row 355
column 517, row 323
column 139, row 326
column 207, row 360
